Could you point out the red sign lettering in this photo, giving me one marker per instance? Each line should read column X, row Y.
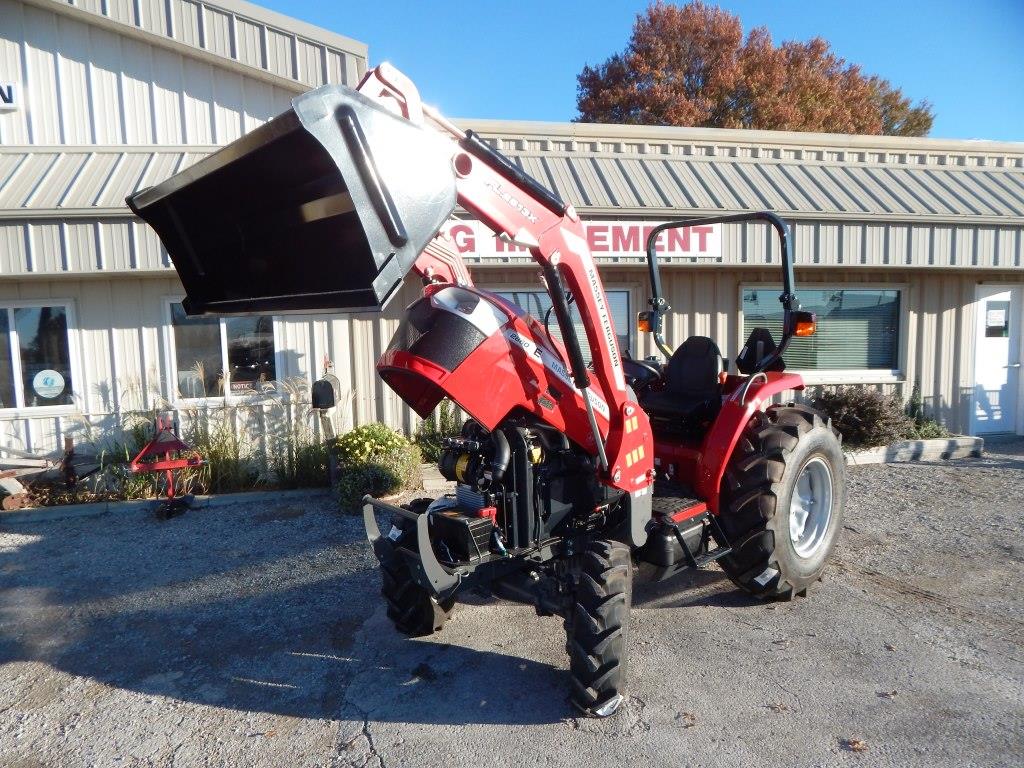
column 464, row 237
column 626, row 238
column 702, row 233
column 597, row 238
column 604, row 238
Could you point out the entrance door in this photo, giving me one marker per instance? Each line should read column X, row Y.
column 997, row 360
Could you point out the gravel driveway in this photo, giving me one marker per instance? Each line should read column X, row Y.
column 253, row 635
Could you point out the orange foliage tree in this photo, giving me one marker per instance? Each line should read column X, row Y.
column 691, row 65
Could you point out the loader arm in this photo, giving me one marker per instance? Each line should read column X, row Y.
column 519, row 209
column 328, row 206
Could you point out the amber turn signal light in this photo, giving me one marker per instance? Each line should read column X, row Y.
column 804, row 323
column 643, row 322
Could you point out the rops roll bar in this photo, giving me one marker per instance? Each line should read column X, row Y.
column 788, row 299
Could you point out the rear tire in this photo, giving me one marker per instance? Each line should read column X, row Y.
column 783, row 497
column 597, row 628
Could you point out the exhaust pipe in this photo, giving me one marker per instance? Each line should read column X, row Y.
column 323, row 209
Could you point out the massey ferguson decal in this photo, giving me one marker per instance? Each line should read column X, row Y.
column 606, row 239
column 579, row 247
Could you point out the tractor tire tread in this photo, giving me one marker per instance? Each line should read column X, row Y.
column 751, row 490
column 597, row 628
column 411, row 608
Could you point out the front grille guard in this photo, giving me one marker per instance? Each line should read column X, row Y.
column 427, row 570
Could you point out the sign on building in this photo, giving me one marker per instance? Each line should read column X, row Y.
column 8, row 97
column 607, row 239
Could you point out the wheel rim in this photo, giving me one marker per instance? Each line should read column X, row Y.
column 810, row 509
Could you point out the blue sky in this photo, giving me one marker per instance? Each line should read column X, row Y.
column 519, row 60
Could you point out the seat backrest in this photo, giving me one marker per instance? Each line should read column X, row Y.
column 694, row 367
column 759, row 345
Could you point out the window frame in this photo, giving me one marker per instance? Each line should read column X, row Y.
column 895, row 375
column 74, row 360
column 629, row 289
column 171, row 362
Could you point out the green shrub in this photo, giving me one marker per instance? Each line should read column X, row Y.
column 376, row 460
column 928, row 429
column 444, row 422
column 922, row 427
column 114, row 479
column 865, row 417
column 301, row 465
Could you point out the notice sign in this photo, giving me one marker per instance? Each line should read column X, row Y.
column 8, row 97
column 997, row 319
column 607, row 239
column 48, row 383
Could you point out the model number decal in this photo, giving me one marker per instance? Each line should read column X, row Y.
column 557, row 367
column 513, row 201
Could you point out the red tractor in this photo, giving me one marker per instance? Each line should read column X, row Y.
column 579, row 466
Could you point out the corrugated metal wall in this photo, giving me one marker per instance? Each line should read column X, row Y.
column 937, row 344
column 88, row 85
column 119, row 338
column 239, row 32
column 48, row 243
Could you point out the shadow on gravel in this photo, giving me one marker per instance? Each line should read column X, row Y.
column 1003, row 463
column 260, row 620
column 690, row 589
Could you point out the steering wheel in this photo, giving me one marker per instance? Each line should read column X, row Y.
column 653, row 369
column 647, row 375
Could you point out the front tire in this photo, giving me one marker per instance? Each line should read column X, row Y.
column 597, row 627
column 412, row 609
column 783, row 498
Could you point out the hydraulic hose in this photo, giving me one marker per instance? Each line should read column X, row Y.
column 502, row 456
column 577, row 365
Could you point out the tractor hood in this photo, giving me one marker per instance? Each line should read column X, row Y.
column 323, row 209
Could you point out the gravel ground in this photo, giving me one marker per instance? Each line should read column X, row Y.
column 253, row 635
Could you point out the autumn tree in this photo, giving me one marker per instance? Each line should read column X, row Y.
column 691, row 65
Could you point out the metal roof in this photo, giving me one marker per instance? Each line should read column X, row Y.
column 643, row 170
column 238, row 34
column 85, row 180
column 821, row 179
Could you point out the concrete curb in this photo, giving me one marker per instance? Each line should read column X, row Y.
column 70, row 511
column 938, row 449
column 433, row 481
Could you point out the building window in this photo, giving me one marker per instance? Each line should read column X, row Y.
column 35, row 367
column 858, row 328
column 207, row 347
column 537, row 304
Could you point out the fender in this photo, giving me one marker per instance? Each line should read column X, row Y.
column 721, row 439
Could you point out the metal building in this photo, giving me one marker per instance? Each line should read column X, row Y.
column 910, row 250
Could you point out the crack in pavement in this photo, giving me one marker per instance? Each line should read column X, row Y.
column 371, row 752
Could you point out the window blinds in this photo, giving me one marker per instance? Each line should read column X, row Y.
column 858, row 328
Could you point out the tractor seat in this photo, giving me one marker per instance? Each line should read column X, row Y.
column 692, row 394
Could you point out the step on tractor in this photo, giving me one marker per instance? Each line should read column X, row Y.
column 579, row 468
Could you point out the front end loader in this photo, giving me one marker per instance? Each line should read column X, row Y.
column 578, row 467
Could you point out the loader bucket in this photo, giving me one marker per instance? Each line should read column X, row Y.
column 323, row 209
